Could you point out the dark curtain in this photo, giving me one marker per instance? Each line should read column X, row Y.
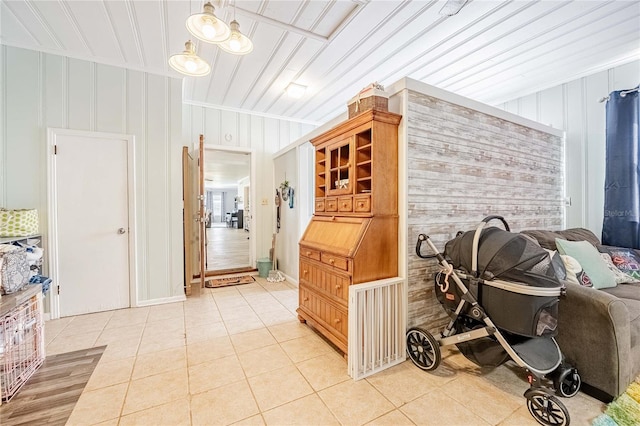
column 622, row 179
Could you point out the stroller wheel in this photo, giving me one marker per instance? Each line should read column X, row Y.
column 567, row 383
column 546, row 408
column 423, row 349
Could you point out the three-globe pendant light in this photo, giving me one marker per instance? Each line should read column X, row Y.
column 207, row 27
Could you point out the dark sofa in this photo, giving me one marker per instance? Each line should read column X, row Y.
column 599, row 330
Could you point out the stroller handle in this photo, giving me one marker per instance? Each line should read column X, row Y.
column 437, row 254
column 500, row 218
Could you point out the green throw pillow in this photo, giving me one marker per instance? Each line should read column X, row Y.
column 594, row 266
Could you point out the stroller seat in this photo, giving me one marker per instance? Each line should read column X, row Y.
column 540, row 354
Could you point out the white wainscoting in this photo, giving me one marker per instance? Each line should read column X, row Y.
column 42, row 90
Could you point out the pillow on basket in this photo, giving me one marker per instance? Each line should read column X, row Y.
column 590, row 260
column 626, row 260
column 621, row 277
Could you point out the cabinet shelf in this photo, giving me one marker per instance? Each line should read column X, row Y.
column 367, row 146
column 364, row 163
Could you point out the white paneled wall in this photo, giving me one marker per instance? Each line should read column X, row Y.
column 574, row 108
column 42, row 90
column 286, row 167
column 264, row 136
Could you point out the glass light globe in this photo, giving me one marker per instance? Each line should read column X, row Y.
column 235, row 43
column 190, row 65
column 208, row 29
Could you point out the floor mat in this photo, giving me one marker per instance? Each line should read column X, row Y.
column 223, row 282
column 50, row 394
column 624, row 410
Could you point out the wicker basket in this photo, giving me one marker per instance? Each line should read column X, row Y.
column 369, row 98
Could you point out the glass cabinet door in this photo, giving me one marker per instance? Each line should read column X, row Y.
column 339, row 168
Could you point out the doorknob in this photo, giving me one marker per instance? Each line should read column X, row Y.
column 121, row 231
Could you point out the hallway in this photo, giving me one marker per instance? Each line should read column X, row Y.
column 227, row 248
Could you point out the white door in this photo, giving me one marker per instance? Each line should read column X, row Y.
column 92, row 222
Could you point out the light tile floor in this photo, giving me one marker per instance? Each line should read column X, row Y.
column 238, row 355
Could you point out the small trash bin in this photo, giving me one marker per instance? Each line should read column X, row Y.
column 264, row 266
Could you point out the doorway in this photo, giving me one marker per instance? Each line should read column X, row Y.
column 227, row 191
column 92, row 227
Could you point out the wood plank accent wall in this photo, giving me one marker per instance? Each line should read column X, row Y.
column 464, row 165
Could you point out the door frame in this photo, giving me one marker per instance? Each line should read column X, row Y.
column 252, row 192
column 52, row 207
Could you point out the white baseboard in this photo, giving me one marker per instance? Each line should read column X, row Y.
column 161, row 301
column 291, row 280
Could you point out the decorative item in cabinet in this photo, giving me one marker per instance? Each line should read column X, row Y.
column 339, row 168
column 21, row 338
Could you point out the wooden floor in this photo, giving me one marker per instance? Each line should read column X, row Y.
column 227, row 248
column 50, row 394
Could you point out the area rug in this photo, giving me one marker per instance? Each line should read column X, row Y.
column 624, row 410
column 49, row 396
column 223, row 282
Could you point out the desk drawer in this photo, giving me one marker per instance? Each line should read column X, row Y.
column 331, row 204
column 345, row 204
column 320, row 205
column 333, row 260
column 330, row 316
column 317, row 276
column 310, row 253
column 362, row 203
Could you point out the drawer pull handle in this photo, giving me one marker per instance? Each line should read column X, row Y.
column 306, row 299
column 305, row 272
column 332, row 261
column 308, row 253
column 361, row 204
column 344, row 204
column 337, row 320
column 338, row 286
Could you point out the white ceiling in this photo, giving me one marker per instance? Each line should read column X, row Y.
column 223, row 169
column 491, row 51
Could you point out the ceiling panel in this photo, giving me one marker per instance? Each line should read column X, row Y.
column 123, row 23
column 63, row 24
column 13, row 31
column 94, row 24
column 492, row 50
column 225, row 169
column 562, row 50
column 30, row 19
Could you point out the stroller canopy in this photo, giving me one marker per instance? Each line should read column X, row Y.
column 505, row 255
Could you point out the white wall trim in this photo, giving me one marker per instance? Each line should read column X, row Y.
column 427, row 89
column 291, row 280
column 3, row 125
column 248, row 112
column 52, row 134
column 162, row 300
column 312, row 134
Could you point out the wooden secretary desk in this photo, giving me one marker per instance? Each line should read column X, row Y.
column 353, row 235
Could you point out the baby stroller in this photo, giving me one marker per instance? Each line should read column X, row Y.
column 501, row 291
